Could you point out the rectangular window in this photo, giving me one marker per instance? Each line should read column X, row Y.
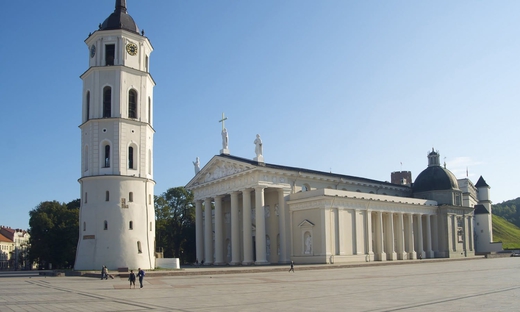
column 85, row 197
column 107, row 196
column 110, row 54
column 131, row 196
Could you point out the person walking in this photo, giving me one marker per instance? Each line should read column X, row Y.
column 140, row 274
column 103, row 272
column 131, row 278
column 292, row 267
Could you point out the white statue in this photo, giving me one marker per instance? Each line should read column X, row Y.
column 276, row 210
column 308, row 243
column 196, row 165
column 258, row 146
column 225, row 139
column 267, row 211
column 267, row 245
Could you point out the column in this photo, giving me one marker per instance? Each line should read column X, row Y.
column 235, row 230
column 368, row 235
column 247, row 230
column 208, row 233
column 379, row 239
column 470, row 225
column 260, row 226
column 219, row 232
column 429, row 250
column 281, row 227
column 411, row 251
column 400, row 237
column 199, row 230
column 454, row 232
column 420, row 240
column 390, row 246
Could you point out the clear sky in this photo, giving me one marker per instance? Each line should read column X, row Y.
column 360, row 88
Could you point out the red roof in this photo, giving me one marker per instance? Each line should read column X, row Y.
column 5, row 239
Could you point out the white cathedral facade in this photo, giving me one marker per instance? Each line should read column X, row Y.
column 252, row 212
column 117, row 218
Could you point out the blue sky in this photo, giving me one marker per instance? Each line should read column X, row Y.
column 352, row 87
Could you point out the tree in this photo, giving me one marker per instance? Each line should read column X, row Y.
column 175, row 224
column 54, row 234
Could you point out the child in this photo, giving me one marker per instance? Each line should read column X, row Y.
column 131, row 278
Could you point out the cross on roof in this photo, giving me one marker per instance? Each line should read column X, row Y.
column 222, row 121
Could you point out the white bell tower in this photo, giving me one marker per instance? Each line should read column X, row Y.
column 117, row 218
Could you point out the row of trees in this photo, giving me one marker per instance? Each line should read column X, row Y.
column 54, row 229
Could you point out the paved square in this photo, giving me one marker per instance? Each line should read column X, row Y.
column 468, row 285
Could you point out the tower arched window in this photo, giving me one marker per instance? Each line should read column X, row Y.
column 149, row 110
column 149, row 162
column 107, row 196
column 105, row 225
column 132, row 104
column 131, row 157
column 85, row 157
column 87, row 108
column 131, row 196
column 106, row 158
column 139, row 250
column 131, row 225
column 84, row 226
column 107, row 102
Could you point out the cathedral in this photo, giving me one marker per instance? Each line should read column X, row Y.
column 252, row 212
column 249, row 211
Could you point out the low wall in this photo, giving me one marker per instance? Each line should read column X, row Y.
column 167, row 263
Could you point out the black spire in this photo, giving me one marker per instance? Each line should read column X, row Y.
column 120, row 19
column 121, row 6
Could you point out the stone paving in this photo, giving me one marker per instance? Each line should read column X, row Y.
column 469, row 285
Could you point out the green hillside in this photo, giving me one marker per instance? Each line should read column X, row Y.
column 506, row 232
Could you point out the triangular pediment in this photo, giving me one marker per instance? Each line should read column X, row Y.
column 220, row 167
column 306, row 223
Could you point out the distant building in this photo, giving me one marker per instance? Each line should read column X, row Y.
column 6, row 250
column 20, row 243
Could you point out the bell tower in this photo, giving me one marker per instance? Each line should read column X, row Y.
column 117, row 218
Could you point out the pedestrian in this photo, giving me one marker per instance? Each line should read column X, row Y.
column 103, row 272
column 140, row 274
column 131, row 278
column 107, row 275
column 292, row 267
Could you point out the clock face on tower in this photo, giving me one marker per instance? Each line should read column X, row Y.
column 131, row 48
column 92, row 50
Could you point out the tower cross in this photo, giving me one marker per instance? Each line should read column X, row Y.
column 223, row 121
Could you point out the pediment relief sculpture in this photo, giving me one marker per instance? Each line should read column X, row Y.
column 222, row 170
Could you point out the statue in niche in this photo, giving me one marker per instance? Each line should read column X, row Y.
column 227, row 217
column 258, row 146
column 276, row 210
column 267, row 245
column 308, row 243
column 225, row 139
column 267, row 211
column 196, row 165
column 228, row 248
column 253, row 214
